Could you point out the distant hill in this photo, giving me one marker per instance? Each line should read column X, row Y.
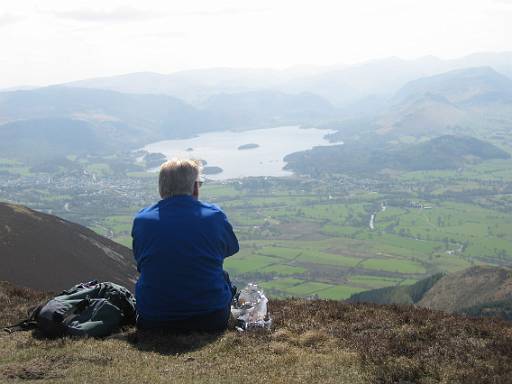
column 447, row 152
column 421, row 115
column 443, row 152
column 276, row 108
column 48, row 253
column 194, row 86
column 478, row 291
column 60, row 120
column 437, row 104
column 461, row 87
column 49, row 137
column 116, row 120
column 63, row 120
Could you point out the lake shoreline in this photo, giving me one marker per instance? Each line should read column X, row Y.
column 221, row 149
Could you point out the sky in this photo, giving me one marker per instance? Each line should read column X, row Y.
column 53, row 41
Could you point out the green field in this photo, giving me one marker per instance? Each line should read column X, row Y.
column 303, row 243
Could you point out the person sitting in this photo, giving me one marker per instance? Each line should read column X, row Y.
column 179, row 245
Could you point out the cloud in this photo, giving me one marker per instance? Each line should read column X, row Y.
column 126, row 14
column 120, row 14
column 7, row 18
column 501, row 6
column 226, row 11
column 165, row 35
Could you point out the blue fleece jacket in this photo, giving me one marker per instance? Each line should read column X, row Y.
column 179, row 245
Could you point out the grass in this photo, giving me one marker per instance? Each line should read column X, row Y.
column 247, row 264
column 282, row 284
column 314, row 341
column 372, row 282
column 283, row 269
column 119, row 224
column 393, row 265
column 308, row 288
column 281, row 252
column 339, row 292
column 317, row 257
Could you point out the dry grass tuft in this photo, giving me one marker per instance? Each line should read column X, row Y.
column 279, row 348
column 313, row 338
column 15, row 302
column 36, row 369
column 402, row 343
column 282, row 335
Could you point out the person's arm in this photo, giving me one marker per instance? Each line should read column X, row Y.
column 230, row 241
column 135, row 249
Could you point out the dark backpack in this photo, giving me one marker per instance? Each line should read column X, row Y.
column 87, row 309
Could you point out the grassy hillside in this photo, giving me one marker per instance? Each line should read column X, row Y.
column 470, row 289
column 403, row 294
column 483, row 291
column 46, row 252
column 311, row 342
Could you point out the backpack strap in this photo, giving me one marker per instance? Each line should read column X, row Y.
column 27, row 324
column 79, row 287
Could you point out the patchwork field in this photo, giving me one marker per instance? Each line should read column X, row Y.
column 328, row 237
column 302, row 245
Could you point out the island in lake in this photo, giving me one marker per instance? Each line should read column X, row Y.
column 212, row 170
column 153, row 160
column 248, row 146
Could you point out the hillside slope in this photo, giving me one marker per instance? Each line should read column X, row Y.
column 483, row 291
column 45, row 252
column 465, row 289
column 402, row 294
column 311, row 342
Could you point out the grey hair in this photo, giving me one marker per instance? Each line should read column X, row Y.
column 177, row 177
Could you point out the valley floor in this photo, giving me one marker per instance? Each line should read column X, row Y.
column 315, row 341
column 323, row 236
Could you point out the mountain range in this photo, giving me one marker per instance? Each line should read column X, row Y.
column 54, row 121
column 338, row 84
column 94, row 116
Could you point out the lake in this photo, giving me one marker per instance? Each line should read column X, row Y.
column 258, row 152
